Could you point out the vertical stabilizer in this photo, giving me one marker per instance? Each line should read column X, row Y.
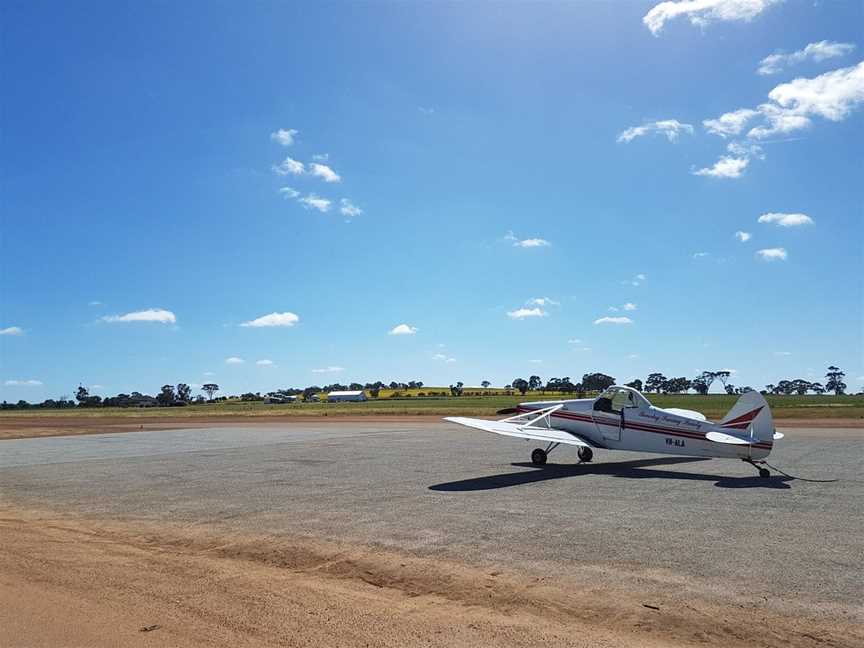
column 750, row 415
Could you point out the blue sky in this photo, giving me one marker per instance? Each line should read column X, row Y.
column 504, row 206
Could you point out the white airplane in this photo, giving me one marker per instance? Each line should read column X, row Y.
column 623, row 419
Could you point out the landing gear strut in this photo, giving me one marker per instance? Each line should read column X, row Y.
column 585, row 454
column 763, row 472
column 539, row 455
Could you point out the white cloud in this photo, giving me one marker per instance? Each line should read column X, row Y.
column 743, row 236
column 324, row 172
column 264, row 363
column 772, row 254
column 782, row 353
column 543, row 301
column 234, row 360
column 347, row 208
column 289, row 166
column 209, row 373
column 613, row 309
column 817, row 52
column 613, row 320
column 633, row 356
column 523, row 313
column 326, row 370
column 671, row 128
column 443, row 358
column 526, row 243
column 574, row 341
column 12, row 330
column 450, row 360
column 629, row 306
column 745, row 150
column 536, row 361
column 159, row 315
column 321, row 157
column 95, row 303
column 284, row 136
column 273, row 319
column 635, row 281
column 731, row 123
column 403, row 329
column 701, row 255
column 425, row 110
column 314, row 202
column 786, row 220
column 702, row 13
column 23, row 383
column 640, row 277
column 725, row 167
column 832, row 96
column 288, row 192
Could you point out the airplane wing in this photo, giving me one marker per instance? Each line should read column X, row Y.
column 518, row 427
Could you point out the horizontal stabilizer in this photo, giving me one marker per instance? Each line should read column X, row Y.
column 519, row 431
column 696, row 416
column 719, row 437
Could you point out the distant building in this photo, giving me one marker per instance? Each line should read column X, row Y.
column 279, row 399
column 346, row 396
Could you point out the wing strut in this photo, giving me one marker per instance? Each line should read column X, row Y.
column 543, row 415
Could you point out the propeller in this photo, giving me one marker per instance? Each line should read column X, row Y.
column 507, row 410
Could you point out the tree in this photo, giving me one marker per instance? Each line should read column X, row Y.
column 184, row 393
column 835, row 381
column 801, row 386
column 817, row 388
column 521, row 384
column 722, row 376
column 534, row 383
column 636, row 384
column 677, row 385
column 708, row 377
column 210, row 389
column 700, row 385
column 82, row 394
column 485, row 384
column 457, row 389
column 166, row 396
column 655, row 382
column 597, row 382
column 730, row 389
column 770, row 387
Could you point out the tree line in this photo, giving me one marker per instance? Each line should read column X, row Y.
column 181, row 394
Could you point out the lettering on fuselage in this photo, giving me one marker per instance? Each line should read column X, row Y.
column 675, row 442
column 679, row 422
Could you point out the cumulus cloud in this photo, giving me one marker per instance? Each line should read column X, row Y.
column 613, row 320
column 725, row 167
column 816, row 52
column 702, row 13
column 321, row 157
column 326, row 370
column 745, row 149
column 324, row 172
column 273, row 319
column 314, row 202
column 524, row 313
column 159, row 315
column 12, row 330
column 234, row 360
column 289, row 166
column 743, row 236
column 347, row 208
column 403, row 329
column 671, row 128
column 772, row 254
column 543, row 301
column 284, row 136
column 629, row 306
column 786, row 220
column 526, row 243
column 288, row 192
column 731, row 123
column 264, row 363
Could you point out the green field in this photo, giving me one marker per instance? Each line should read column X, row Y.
column 714, row 406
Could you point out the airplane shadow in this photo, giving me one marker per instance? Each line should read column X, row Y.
column 635, row 469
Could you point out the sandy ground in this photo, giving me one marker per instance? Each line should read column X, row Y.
column 68, row 582
column 25, row 427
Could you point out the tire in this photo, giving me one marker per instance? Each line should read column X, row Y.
column 538, row 457
column 585, row 454
column 763, row 472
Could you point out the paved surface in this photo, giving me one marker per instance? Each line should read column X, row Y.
column 442, row 490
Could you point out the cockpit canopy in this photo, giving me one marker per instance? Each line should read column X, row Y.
column 615, row 399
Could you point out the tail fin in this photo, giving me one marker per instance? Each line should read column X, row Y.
column 751, row 414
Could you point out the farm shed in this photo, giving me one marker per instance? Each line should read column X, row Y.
column 346, row 396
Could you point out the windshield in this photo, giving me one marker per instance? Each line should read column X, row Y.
column 620, row 398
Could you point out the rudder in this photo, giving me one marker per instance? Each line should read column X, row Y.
column 751, row 414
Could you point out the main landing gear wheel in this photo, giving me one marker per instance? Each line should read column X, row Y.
column 763, row 472
column 538, row 456
column 585, row 454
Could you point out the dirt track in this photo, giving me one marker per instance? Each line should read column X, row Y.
column 79, row 583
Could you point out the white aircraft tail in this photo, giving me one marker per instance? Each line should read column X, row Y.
column 750, row 415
